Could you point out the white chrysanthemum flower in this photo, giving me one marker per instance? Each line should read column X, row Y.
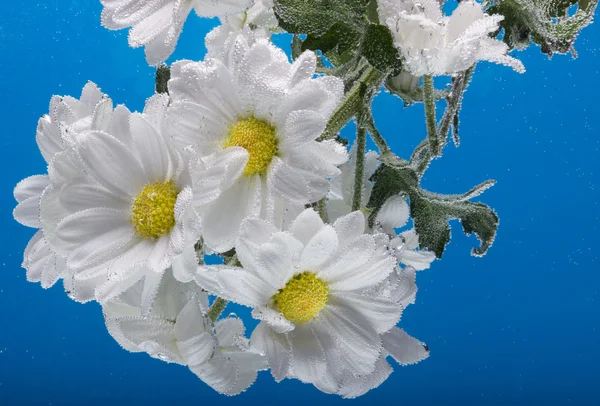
column 254, row 118
column 432, row 44
column 257, row 22
column 157, row 24
column 177, row 330
column 133, row 207
column 56, row 134
column 308, row 287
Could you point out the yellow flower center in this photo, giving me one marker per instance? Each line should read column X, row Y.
column 302, row 298
column 153, row 210
column 258, row 138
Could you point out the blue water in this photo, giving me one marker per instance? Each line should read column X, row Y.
column 520, row 326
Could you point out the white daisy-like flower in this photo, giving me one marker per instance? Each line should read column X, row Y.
column 258, row 21
column 308, row 285
column 254, row 118
column 56, row 134
column 178, row 331
column 433, row 44
column 132, row 211
column 157, row 24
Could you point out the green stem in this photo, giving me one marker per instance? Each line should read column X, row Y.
column 376, row 136
column 216, row 309
column 322, row 210
column 163, row 74
column 351, row 104
column 424, row 153
column 359, row 171
column 429, row 101
column 454, row 102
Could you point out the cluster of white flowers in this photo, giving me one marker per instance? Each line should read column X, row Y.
column 228, row 162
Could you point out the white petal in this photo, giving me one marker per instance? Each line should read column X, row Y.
column 27, row 212
column 308, row 357
column 273, row 318
column 243, row 287
column 211, row 8
column 217, row 173
column 151, row 150
column 222, row 220
column 80, row 195
column 94, row 236
column 304, row 67
column 108, row 159
column 229, row 330
column 405, row 349
column 287, row 183
column 319, row 248
column 196, row 350
column 383, row 313
column 253, row 233
column 357, row 339
column 393, row 214
column 275, row 347
column 306, row 225
column 349, row 227
column 185, row 264
column 32, row 186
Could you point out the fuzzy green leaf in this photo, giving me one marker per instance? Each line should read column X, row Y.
column 544, row 22
column 378, row 48
column 431, row 212
column 318, row 16
column 339, row 44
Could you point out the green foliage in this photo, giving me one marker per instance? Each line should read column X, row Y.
column 318, row 16
column 339, row 44
column 431, row 212
column 343, row 30
column 378, row 48
column 543, row 22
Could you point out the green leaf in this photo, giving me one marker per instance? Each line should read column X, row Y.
column 431, row 212
column 372, row 13
column 339, row 44
column 318, row 16
column 378, row 48
column 544, row 22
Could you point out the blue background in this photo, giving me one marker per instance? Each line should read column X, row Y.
column 519, row 326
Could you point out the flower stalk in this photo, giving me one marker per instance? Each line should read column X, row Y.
column 359, row 173
column 352, row 103
column 429, row 101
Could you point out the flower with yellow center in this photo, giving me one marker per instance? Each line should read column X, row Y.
column 258, row 138
column 131, row 216
column 302, row 298
column 254, row 119
column 152, row 213
column 315, row 289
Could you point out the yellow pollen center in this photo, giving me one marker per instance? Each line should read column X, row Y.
column 302, row 298
column 153, row 210
column 258, row 138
